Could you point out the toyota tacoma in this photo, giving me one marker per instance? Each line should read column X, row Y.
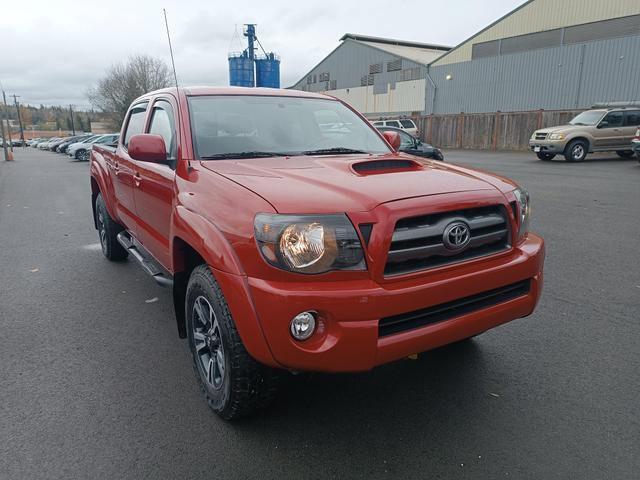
column 295, row 237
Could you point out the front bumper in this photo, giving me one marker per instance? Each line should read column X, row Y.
column 348, row 339
column 547, row 146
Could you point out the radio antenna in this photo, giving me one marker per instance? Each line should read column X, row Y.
column 173, row 64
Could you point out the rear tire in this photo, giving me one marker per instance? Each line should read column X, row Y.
column 234, row 384
column 625, row 153
column 108, row 231
column 576, row 151
column 545, row 156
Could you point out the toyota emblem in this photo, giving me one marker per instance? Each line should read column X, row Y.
column 456, row 236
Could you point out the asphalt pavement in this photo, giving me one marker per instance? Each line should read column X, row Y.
column 95, row 383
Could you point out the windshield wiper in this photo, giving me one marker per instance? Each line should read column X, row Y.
column 224, row 156
column 332, row 151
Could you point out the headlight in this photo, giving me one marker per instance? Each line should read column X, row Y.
column 309, row 243
column 557, row 136
column 524, row 211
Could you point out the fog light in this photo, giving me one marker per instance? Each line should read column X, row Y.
column 303, row 325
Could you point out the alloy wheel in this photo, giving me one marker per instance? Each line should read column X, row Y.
column 208, row 344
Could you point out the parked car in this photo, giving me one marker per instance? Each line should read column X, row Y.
column 414, row 146
column 53, row 146
column 288, row 248
column 635, row 143
column 62, row 146
column 598, row 130
column 80, row 151
column 403, row 123
column 47, row 143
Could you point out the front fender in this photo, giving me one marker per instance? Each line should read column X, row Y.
column 209, row 242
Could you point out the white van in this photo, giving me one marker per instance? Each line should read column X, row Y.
column 404, row 123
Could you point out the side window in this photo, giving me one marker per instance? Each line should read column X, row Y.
column 632, row 118
column 135, row 123
column 163, row 124
column 613, row 119
column 378, row 124
column 393, row 123
column 408, row 123
column 406, row 140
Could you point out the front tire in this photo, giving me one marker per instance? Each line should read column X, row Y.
column 82, row 155
column 625, row 153
column 576, row 151
column 545, row 156
column 234, row 384
column 108, row 230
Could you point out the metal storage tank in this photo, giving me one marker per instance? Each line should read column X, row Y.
column 241, row 71
column 268, row 71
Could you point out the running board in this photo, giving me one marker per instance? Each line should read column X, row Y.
column 146, row 261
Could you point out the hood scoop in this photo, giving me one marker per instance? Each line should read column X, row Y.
column 373, row 167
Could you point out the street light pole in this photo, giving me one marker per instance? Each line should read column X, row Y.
column 15, row 100
column 4, row 99
column 4, row 143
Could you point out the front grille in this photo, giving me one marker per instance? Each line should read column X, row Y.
column 541, row 136
column 418, row 243
column 447, row 311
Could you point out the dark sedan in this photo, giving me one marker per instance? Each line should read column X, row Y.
column 414, row 146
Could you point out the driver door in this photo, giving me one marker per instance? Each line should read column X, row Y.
column 609, row 131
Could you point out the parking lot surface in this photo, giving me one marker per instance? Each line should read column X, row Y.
column 95, row 383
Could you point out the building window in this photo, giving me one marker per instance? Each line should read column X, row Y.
column 309, row 79
column 394, row 65
column 409, row 74
column 324, row 77
column 375, row 68
column 366, row 80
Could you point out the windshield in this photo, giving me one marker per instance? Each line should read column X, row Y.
column 253, row 126
column 592, row 117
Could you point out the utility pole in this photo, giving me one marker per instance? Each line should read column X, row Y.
column 4, row 143
column 73, row 126
column 15, row 100
column 4, row 99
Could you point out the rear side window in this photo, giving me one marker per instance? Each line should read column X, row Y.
column 408, row 124
column 393, row 123
column 162, row 123
column 632, row 118
column 135, row 123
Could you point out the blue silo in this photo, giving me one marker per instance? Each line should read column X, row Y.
column 268, row 71
column 248, row 70
column 241, row 71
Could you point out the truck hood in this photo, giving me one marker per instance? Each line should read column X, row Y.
column 563, row 129
column 329, row 184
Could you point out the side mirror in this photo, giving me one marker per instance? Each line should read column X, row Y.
column 603, row 124
column 393, row 138
column 147, row 147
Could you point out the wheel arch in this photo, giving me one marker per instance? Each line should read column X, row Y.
column 195, row 241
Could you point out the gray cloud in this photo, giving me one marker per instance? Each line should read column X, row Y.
column 59, row 49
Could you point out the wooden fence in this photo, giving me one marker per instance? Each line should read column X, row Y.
column 488, row 131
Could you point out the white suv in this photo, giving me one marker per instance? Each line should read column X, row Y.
column 403, row 123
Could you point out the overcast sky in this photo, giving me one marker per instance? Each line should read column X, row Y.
column 52, row 51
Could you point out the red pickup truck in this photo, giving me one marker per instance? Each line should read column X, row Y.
column 295, row 236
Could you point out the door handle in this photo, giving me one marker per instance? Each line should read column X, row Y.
column 137, row 179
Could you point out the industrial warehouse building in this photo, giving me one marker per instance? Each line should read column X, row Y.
column 544, row 60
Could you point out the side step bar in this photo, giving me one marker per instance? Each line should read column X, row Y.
column 146, row 261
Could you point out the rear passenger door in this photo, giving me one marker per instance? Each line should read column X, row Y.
column 631, row 124
column 121, row 167
column 154, row 183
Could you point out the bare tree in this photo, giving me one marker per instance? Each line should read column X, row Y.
column 124, row 82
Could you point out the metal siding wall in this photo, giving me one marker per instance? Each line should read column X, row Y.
column 349, row 62
column 546, row 78
column 545, row 15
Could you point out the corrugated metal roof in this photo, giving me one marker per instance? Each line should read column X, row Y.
column 417, row 54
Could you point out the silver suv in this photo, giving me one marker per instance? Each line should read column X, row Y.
column 599, row 130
